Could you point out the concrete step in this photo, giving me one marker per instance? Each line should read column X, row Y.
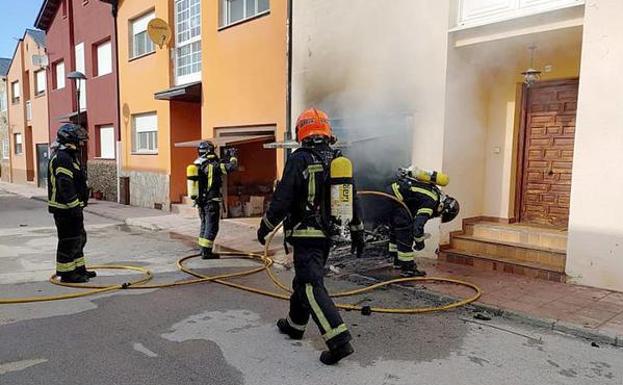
column 511, row 251
column 184, row 210
column 187, row 201
column 506, row 265
column 529, row 236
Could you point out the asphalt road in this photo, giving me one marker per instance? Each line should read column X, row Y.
column 211, row 334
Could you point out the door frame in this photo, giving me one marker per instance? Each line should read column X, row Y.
column 521, row 142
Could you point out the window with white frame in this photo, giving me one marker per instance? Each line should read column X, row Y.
column 40, row 80
column 145, row 127
column 233, row 11
column 141, row 44
column 104, row 59
column 59, row 71
column 188, row 41
column 106, row 144
column 28, row 110
column 19, row 145
column 15, row 92
column 5, row 148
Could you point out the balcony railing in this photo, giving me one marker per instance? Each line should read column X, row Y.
column 472, row 13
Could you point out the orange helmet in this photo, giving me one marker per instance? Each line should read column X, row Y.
column 313, row 122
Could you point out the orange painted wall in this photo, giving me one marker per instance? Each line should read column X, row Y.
column 244, row 71
column 186, row 126
column 139, row 79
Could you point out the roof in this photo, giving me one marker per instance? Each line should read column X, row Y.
column 5, row 63
column 38, row 36
column 185, row 93
column 46, row 14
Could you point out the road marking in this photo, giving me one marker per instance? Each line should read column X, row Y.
column 139, row 347
column 19, row 365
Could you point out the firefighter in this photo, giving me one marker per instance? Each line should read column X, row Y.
column 425, row 201
column 67, row 196
column 208, row 200
column 302, row 201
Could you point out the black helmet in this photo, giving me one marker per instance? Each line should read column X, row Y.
column 450, row 209
column 71, row 134
column 205, row 148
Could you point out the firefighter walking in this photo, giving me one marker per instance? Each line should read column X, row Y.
column 209, row 177
column 425, row 201
column 302, row 201
column 67, row 196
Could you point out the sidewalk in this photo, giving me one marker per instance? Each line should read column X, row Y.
column 578, row 310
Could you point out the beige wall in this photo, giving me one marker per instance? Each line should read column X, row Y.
column 39, row 122
column 595, row 247
column 17, row 115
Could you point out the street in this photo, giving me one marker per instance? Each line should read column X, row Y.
column 212, row 334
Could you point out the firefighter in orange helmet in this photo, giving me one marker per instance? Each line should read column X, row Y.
column 302, row 201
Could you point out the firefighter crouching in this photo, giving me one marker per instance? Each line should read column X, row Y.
column 67, row 195
column 425, row 201
column 206, row 175
column 302, row 200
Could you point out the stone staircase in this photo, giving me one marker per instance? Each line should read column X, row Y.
column 533, row 251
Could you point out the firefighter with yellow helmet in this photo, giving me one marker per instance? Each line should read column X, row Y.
column 303, row 200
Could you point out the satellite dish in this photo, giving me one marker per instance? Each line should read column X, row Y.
column 159, row 32
column 40, row 60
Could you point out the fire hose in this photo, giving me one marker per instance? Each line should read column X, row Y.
column 224, row 279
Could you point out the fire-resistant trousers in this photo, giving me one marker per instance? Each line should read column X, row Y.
column 401, row 235
column 210, row 215
column 310, row 297
column 71, row 241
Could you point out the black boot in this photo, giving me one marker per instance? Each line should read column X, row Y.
column 88, row 273
column 397, row 264
column 285, row 328
column 74, row 277
column 332, row 357
column 208, row 254
column 409, row 270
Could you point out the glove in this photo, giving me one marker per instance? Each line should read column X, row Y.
column 232, row 152
column 418, row 246
column 357, row 243
column 262, row 232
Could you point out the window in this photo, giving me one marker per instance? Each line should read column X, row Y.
column 141, row 44
column 145, row 133
column 15, row 92
column 104, row 59
column 233, row 11
column 81, row 67
column 188, row 41
column 28, row 110
column 19, row 146
column 5, row 148
column 106, row 145
column 59, row 73
column 40, row 82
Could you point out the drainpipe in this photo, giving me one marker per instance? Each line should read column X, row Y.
column 288, row 131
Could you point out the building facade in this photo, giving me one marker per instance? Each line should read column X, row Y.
column 5, row 148
column 80, row 37
column 442, row 87
column 28, row 110
column 221, row 77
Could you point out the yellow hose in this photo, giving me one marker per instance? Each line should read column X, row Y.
column 267, row 262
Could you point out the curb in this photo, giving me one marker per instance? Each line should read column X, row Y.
column 569, row 329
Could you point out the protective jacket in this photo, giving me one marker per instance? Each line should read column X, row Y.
column 421, row 198
column 211, row 171
column 67, row 182
column 302, row 198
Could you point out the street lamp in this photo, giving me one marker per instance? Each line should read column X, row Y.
column 77, row 78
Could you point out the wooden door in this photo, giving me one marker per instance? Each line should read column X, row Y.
column 550, row 110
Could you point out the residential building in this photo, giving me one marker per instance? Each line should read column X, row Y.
column 222, row 77
column 80, row 37
column 28, row 110
column 439, row 84
column 5, row 150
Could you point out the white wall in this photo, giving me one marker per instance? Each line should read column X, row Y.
column 375, row 59
column 595, row 246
